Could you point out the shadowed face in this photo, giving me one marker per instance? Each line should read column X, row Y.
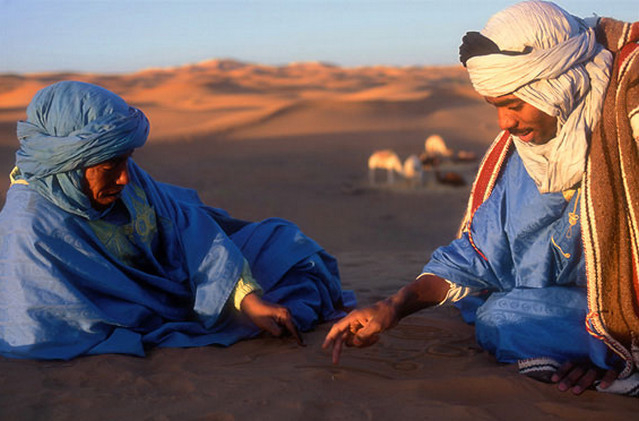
column 104, row 182
column 523, row 120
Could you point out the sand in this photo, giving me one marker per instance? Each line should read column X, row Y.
column 293, row 142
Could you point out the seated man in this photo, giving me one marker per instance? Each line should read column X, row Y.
column 544, row 262
column 97, row 257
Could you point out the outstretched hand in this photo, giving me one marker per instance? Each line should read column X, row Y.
column 273, row 318
column 579, row 377
column 360, row 328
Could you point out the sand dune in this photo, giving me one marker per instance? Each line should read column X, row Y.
column 293, row 141
column 222, row 95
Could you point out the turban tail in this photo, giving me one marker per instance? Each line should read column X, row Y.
column 551, row 60
column 70, row 126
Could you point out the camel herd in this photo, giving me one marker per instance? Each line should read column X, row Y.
column 412, row 170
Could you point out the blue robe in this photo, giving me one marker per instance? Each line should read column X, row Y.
column 529, row 293
column 156, row 270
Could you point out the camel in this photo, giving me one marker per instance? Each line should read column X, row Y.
column 436, row 151
column 435, row 146
column 413, row 170
column 384, row 159
column 449, row 178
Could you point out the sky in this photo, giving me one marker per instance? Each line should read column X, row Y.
column 120, row 36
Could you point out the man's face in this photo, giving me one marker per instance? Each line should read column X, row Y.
column 523, row 120
column 104, row 182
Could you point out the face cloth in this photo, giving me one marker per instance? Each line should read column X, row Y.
column 550, row 59
column 70, row 126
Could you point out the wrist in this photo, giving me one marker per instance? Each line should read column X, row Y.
column 249, row 302
column 393, row 307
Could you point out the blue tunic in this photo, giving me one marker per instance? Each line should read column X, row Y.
column 530, row 296
column 157, row 270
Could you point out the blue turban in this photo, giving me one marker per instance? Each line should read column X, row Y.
column 70, row 126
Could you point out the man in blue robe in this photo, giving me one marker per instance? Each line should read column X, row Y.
column 97, row 257
column 518, row 268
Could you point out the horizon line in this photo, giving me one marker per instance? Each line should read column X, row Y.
column 225, row 60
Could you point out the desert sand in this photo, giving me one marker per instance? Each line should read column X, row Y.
column 293, row 142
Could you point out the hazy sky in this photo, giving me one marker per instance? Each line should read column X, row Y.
column 128, row 35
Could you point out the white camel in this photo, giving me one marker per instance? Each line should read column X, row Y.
column 386, row 160
column 413, row 170
column 434, row 146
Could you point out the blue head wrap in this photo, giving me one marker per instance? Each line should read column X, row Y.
column 70, row 126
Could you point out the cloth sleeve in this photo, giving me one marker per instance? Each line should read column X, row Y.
column 481, row 258
column 456, row 293
column 245, row 286
column 462, row 267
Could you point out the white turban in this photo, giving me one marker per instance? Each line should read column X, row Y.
column 564, row 74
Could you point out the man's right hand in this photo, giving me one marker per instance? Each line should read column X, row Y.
column 361, row 327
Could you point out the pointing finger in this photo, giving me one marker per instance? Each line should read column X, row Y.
column 337, row 349
column 292, row 328
column 336, row 331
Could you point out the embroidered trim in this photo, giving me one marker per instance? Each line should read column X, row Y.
column 625, row 59
column 573, row 217
column 623, row 39
column 489, row 171
column 12, row 176
column 634, row 32
column 541, row 368
column 633, row 116
column 563, row 253
column 590, row 328
column 568, row 194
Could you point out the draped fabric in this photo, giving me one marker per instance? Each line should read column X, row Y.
column 559, row 43
column 564, row 75
column 64, row 292
column 522, row 257
column 155, row 268
column 72, row 125
column 550, row 320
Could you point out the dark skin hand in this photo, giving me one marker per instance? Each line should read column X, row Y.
column 578, row 377
column 362, row 327
column 273, row 318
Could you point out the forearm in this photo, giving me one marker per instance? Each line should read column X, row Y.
column 426, row 291
column 362, row 327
